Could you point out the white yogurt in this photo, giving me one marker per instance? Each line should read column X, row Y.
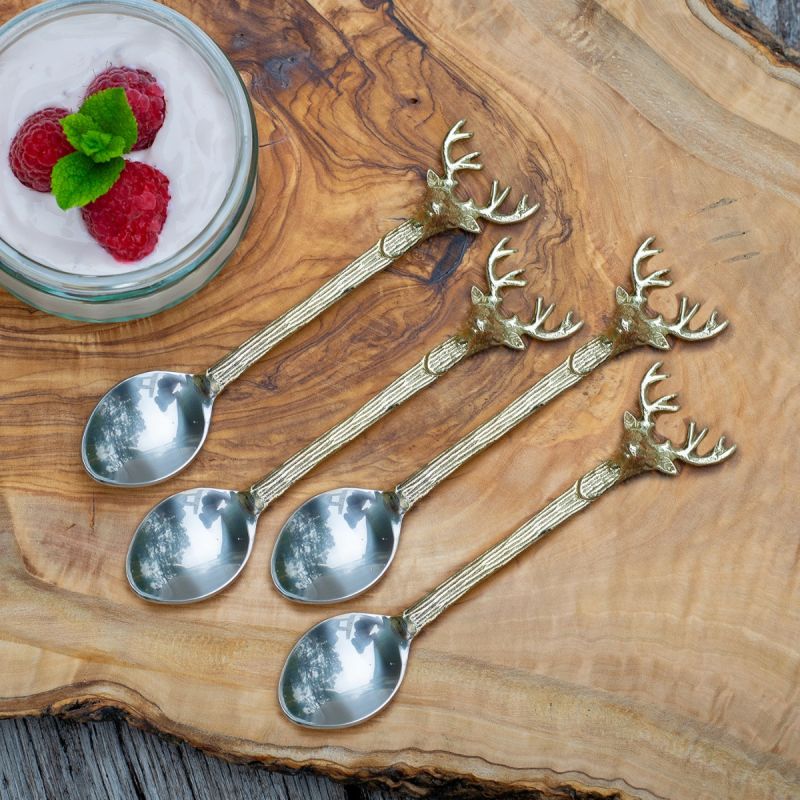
column 51, row 66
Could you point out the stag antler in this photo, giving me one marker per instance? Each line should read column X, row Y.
column 680, row 327
column 455, row 134
column 488, row 322
column 496, row 285
column 660, row 406
column 489, row 211
column 688, row 453
column 642, row 283
column 445, row 210
column 641, row 451
column 634, row 325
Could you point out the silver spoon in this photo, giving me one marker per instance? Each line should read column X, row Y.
column 339, row 543
column 193, row 544
column 347, row 668
column 149, row 427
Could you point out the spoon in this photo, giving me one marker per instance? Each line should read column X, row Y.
column 149, row 427
column 195, row 543
column 347, row 668
column 339, row 543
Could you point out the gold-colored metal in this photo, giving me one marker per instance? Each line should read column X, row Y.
column 486, row 327
column 441, row 210
column 640, row 450
column 633, row 325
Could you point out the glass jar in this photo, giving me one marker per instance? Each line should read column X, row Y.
column 139, row 292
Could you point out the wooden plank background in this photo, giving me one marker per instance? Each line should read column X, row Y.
column 46, row 757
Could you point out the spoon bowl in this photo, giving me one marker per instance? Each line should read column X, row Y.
column 147, row 428
column 344, row 670
column 336, row 545
column 191, row 545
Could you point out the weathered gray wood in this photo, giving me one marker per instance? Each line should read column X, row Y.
column 782, row 17
column 48, row 758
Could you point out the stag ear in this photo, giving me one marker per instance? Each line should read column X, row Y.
column 622, row 296
column 477, row 296
column 468, row 223
column 434, row 181
column 629, row 421
column 657, row 340
column 513, row 340
column 666, row 465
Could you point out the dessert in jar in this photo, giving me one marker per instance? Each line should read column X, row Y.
column 147, row 135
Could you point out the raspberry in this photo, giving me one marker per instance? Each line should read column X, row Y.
column 38, row 144
column 145, row 95
column 127, row 220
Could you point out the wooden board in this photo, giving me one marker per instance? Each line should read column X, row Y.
column 44, row 757
column 650, row 648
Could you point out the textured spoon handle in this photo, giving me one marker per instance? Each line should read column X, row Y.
column 378, row 257
column 575, row 499
column 585, row 359
column 436, row 363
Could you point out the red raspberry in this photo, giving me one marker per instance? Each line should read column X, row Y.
column 128, row 218
column 38, row 144
column 145, row 95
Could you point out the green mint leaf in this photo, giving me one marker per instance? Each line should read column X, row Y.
column 101, row 147
column 108, row 131
column 75, row 126
column 82, row 133
column 94, row 142
column 111, row 113
column 77, row 180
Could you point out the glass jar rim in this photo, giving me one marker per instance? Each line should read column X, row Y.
column 155, row 277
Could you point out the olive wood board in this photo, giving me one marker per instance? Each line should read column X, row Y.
column 649, row 648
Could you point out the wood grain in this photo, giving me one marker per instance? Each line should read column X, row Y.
column 61, row 759
column 649, row 649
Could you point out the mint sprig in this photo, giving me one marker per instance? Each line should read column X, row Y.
column 112, row 114
column 77, row 180
column 102, row 130
column 84, row 135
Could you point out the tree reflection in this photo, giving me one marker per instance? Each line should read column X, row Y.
column 305, row 544
column 343, row 535
column 311, row 673
column 159, row 546
column 113, row 433
column 344, row 669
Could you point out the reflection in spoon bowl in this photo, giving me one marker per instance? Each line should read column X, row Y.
column 191, row 545
column 347, row 668
column 361, row 538
column 110, row 457
column 336, row 545
column 342, row 578
column 146, row 428
column 344, row 670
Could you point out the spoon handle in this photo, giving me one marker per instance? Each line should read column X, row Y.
column 585, row 359
column 632, row 325
column 486, row 326
column 378, row 257
column 641, row 450
column 588, row 488
column 440, row 210
column 438, row 361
